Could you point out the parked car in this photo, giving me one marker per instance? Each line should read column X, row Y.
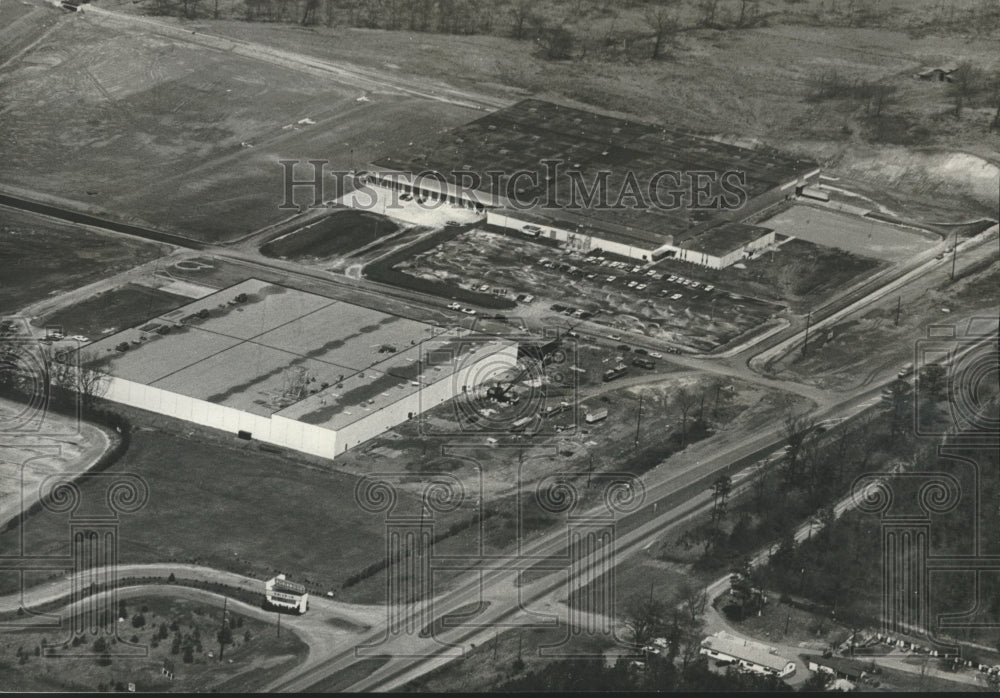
column 468, row 311
column 676, row 296
column 615, row 337
column 656, row 354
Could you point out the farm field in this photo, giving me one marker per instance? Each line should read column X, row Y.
column 95, row 103
column 113, row 310
column 861, row 236
column 256, row 652
column 339, row 233
column 41, row 256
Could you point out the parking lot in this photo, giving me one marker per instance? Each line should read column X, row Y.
column 689, row 314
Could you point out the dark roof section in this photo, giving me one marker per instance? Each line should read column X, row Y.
column 523, row 136
column 289, row 587
column 852, row 668
column 722, row 239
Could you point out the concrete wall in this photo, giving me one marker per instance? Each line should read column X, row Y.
column 299, row 436
column 576, row 241
column 276, row 430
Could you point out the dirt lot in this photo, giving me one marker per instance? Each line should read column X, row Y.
column 196, row 132
column 113, row 310
column 860, row 236
column 256, row 650
column 41, row 256
column 339, row 233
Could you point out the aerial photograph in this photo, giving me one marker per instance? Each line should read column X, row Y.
column 475, row 346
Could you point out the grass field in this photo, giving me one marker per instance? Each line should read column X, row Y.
column 223, row 503
column 339, row 233
column 855, row 350
column 256, row 650
column 113, row 310
column 96, row 103
column 41, row 256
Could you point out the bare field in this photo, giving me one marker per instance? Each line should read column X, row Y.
column 41, row 256
column 196, row 132
column 854, row 234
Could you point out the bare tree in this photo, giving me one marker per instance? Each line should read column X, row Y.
column 663, row 21
column 643, row 617
column 709, row 9
column 556, row 41
column 721, row 488
column 520, row 14
column 796, row 428
column 309, row 9
column 995, row 88
column 74, row 373
column 749, row 10
column 966, row 82
column 190, row 8
column 685, row 401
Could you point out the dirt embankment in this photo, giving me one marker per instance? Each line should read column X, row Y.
column 934, row 175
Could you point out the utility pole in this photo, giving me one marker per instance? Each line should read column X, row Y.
column 899, row 305
column 954, row 253
column 638, row 422
column 279, row 623
column 806, row 342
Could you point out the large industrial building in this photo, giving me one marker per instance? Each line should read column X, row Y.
column 291, row 368
column 532, row 168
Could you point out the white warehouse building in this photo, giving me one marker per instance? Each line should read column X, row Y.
column 293, row 369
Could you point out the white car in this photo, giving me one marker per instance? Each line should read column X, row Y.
column 632, row 284
column 591, row 276
column 80, row 338
column 454, row 306
column 676, row 296
column 468, row 311
column 656, row 355
column 672, row 277
column 640, row 287
column 611, row 278
column 484, row 288
column 709, row 287
column 695, row 284
column 615, row 337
